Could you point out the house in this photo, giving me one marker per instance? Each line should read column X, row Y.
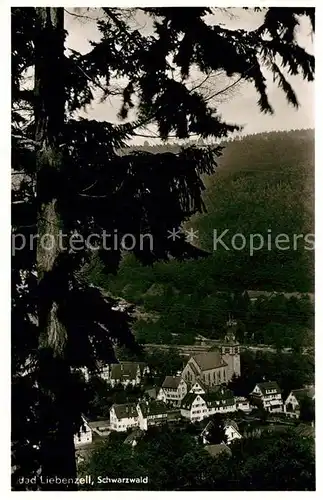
column 125, row 373
column 100, row 427
column 218, row 366
column 231, row 431
column 295, row 398
column 199, row 388
column 173, row 390
column 84, row 435
column 268, row 394
column 216, row 450
column 194, row 407
column 220, row 400
column 197, row 406
column 242, row 404
column 151, row 393
column 151, row 413
column 123, row 417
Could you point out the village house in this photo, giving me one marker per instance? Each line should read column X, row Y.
column 123, row 417
column 231, row 431
column 199, row 405
column 294, row 400
column 218, row 366
column 84, row 436
column 151, row 413
column 242, row 404
column 100, row 427
column 268, row 394
column 126, row 373
column 173, row 390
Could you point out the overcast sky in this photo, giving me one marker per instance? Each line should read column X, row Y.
column 241, row 107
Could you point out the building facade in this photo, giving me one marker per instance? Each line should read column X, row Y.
column 84, row 436
column 173, row 390
column 123, row 417
column 151, row 413
column 268, row 394
column 199, row 405
column 294, row 400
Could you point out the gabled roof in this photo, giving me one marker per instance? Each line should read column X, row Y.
column 307, row 392
column 125, row 370
column 99, row 424
column 201, row 384
column 268, row 386
column 126, row 410
column 226, row 423
column 209, row 360
column 217, row 449
column 188, row 400
column 193, row 368
column 171, row 382
column 231, row 423
column 220, row 394
column 152, row 393
column 153, row 408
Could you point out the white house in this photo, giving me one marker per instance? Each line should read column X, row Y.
column 194, row 407
column 269, row 395
column 84, row 436
column 151, row 413
column 199, row 388
column 173, row 390
column 197, row 406
column 231, row 431
column 295, row 398
column 242, row 403
column 123, row 417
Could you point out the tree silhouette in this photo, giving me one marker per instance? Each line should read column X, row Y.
column 75, row 179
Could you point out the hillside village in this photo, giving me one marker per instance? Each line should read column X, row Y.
column 199, row 393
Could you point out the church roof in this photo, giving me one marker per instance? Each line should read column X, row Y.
column 209, row 360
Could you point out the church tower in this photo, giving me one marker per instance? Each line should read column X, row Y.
column 230, row 350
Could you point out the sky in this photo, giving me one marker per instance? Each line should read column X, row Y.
column 240, row 107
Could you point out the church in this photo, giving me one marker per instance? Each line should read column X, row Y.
column 217, row 366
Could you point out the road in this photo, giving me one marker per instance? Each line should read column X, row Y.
column 189, row 350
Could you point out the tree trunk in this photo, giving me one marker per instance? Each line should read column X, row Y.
column 57, row 447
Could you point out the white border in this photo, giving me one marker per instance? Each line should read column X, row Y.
column 5, row 236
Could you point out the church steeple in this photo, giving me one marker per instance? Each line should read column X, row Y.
column 230, row 349
column 230, row 337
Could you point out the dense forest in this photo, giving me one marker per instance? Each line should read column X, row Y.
column 165, row 455
column 264, row 183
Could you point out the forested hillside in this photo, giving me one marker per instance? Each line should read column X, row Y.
column 264, row 184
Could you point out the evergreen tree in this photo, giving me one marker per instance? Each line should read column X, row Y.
column 72, row 177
